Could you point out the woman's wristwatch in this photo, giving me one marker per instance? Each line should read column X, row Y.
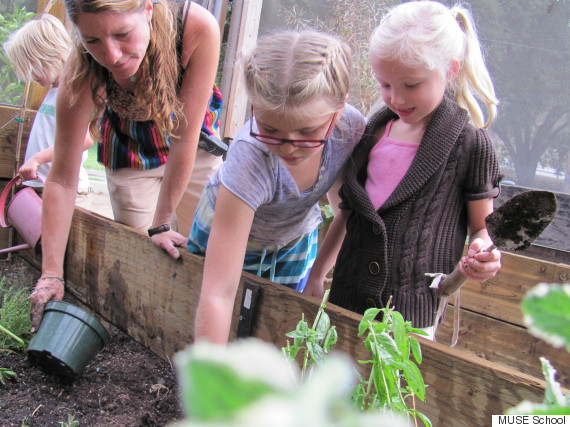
column 157, row 230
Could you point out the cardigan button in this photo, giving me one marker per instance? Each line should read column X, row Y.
column 370, row 303
column 376, row 229
column 374, row 268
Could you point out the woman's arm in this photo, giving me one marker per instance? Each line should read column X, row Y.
column 223, row 266
column 201, row 50
column 479, row 266
column 59, row 195
column 327, row 254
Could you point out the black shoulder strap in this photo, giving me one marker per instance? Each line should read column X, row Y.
column 181, row 24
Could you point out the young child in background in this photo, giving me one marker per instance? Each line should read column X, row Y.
column 424, row 174
column 37, row 52
column 260, row 210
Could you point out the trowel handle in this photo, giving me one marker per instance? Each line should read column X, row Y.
column 451, row 283
column 455, row 279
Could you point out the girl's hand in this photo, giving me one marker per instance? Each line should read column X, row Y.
column 314, row 288
column 168, row 241
column 480, row 266
column 47, row 289
column 29, row 170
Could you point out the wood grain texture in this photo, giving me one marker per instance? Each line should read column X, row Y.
column 124, row 278
column 8, row 137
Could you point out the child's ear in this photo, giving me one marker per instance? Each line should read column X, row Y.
column 148, row 10
column 454, row 68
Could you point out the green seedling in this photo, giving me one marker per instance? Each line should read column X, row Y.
column 7, row 375
column 312, row 343
column 395, row 379
column 71, row 421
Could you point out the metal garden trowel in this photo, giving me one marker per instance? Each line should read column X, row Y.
column 512, row 226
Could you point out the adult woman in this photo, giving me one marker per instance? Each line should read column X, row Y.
column 140, row 78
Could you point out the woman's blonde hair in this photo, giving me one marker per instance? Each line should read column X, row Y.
column 157, row 84
column 428, row 34
column 288, row 69
column 39, row 48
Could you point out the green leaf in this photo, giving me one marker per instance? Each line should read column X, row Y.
column 553, row 394
column 411, row 330
column 400, row 336
column 323, row 324
column 388, row 344
column 215, row 392
column 330, row 340
column 414, row 379
column 295, row 334
column 315, row 351
column 367, row 318
column 422, row 417
column 546, row 309
column 416, row 349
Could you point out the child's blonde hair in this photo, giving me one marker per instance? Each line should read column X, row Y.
column 428, row 34
column 286, row 70
column 157, row 84
column 39, row 48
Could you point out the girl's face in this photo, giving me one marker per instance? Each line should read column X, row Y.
column 310, row 122
column 412, row 93
column 117, row 41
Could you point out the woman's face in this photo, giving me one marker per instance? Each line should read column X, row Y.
column 117, row 41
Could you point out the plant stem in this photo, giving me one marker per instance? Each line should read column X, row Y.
column 21, row 341
column 321, row 309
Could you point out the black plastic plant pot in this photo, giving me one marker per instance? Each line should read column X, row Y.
column 67, row 340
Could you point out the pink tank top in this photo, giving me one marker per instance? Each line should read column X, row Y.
column 388, row 162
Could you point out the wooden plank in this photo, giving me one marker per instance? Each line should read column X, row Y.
column 505, row 344
column 463, row 389
column 4, row 232
column 242, row 36
column 500, row 296
column 122, row 276
column 8, row 136
column 466, row 391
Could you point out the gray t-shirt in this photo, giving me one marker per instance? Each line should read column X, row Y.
column 257, row 176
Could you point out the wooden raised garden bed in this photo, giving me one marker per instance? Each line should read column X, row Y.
column 122, row 276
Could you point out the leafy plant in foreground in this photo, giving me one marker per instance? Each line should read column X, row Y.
column 391, row 343
column 14, row 316
column 249, row 383
column 394, row 377
column 546, row 309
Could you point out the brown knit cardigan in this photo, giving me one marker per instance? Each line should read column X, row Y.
column 422, row 226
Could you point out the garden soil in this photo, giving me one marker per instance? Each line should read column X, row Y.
column 125, row 384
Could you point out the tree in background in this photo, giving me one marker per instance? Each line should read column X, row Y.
column 528, row 55
column 528, row 47
column 11, row 90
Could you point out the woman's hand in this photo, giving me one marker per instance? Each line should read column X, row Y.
column 480, row 266
column 168, row 241
column 49, row 288
column 29, row 170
